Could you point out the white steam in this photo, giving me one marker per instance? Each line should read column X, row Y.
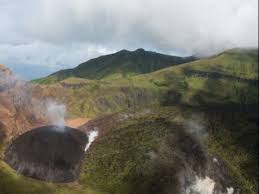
column 56, row 113
column 230, row 190
column 91, row 137
column 201, row 186
column 205, row 186
column 21, row 96
column 196, row 126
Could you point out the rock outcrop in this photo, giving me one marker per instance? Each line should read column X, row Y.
column 4, row 70
column 17, row 106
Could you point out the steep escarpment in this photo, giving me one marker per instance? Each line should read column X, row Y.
column 4, row 70
column 2, row 137
column 17, row 110
column 48, row 153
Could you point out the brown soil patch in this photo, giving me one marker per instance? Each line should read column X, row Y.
column 77, row 122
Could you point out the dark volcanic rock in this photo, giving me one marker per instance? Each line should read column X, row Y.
column 48, row 153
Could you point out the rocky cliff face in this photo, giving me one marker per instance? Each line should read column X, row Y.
column 4, row 70
column 48, row 153
column 17, row 109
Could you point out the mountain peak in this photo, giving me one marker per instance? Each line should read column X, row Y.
column 123, row 63
column 123, row 51
column 140, row 50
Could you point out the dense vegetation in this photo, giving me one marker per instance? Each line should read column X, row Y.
column 120, row 161
column 122, row 64
column 228, row 79
column 219, row 93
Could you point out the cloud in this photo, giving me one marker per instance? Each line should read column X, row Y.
column 38, row 52
column 53, row 29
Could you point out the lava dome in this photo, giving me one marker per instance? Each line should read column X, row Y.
column 49, row 153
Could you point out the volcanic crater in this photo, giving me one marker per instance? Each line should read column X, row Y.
column 49, row 153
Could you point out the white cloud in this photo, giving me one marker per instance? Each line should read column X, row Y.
column 52, row 55
column 71, row 31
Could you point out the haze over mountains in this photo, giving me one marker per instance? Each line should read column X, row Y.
column 30, row 72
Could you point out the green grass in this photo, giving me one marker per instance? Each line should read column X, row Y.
column 234, row 141
column 228, row 78
column 120, row 65
column 12, row 183
column 90, row 98
column 117, row 164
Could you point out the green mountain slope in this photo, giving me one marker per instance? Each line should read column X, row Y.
column 139, row 116
column 229, row 78
column 118, row 65
column 135, row 153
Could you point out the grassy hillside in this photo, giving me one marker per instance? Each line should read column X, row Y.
column 228, row 79
column 12, row 183
column 215, row 99
column 122, row 64
column 137, row 154
column 225, row 85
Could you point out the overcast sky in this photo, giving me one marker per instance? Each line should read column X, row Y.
column 47, row 35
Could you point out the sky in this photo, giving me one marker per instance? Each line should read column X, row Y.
column 41, row 36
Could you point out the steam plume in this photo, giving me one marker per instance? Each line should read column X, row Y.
column 20, row 94
column 92, row 135
column 205, row 186
column 56, row 113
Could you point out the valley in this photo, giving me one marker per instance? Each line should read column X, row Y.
column 165, row 124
